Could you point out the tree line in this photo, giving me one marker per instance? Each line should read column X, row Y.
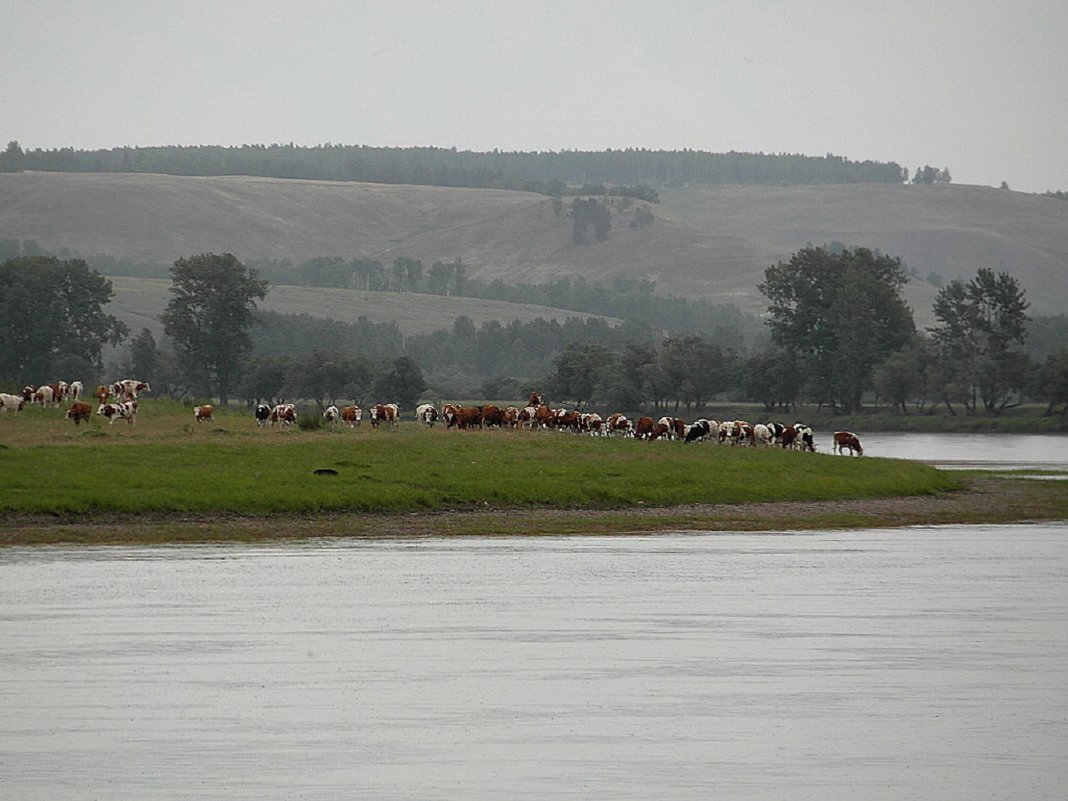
column 841, row 334
column 547, row 172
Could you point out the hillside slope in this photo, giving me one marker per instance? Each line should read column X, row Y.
column 706, row 242
column 138, row 302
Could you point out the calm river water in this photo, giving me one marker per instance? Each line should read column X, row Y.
column 925, row 663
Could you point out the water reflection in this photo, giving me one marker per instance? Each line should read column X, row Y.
column 917, row 663
column 969, row 451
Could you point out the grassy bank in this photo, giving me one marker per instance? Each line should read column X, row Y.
column 167, row 479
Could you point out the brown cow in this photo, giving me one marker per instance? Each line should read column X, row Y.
column 544, row 417
column 80, row 412
column 205, row 412
column 643, row 429
column 351, row 415
column 535, row 400
column 468, row 417
column 492, row 416
column 847, row 439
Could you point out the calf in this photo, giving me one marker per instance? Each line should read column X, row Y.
column 847, row 439
column 80, row 412
column 204, row 413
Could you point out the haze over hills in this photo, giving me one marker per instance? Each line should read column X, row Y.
column 704, row 242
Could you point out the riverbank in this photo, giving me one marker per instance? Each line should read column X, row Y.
column 981, row 499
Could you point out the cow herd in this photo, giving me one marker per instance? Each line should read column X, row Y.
column 119, row 401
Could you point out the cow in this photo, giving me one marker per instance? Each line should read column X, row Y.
column 28, row 393
column 427, row 414
column 80, row 412
column 331, row 414
column 762, row 435
column 510, row 416
column 698, row 431
column 74, row 391
column 535, row 400
column 204, row 413
column 262, row 413
column 129, row 388
column 102, row 393
column 593, row 424
column 467, row 417
column 283, row 414
column 384, row 413
column 544, row 417
column 127, row 410
column 788, row 438
column 525, row 417
column 566, row 420
column 847, row 439
column 44, row 395
column 11, row 403
column 448, row 414
column 492, row 416
column 643, row 429
column 618, row 423
column 351, row 415
column 59, row 392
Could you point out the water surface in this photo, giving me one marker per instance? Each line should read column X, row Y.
column 890, row 664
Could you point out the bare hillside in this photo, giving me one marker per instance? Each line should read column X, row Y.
column 706, row 242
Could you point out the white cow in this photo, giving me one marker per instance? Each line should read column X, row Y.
column 11, row 403
column 331, row 414
column 427, row 414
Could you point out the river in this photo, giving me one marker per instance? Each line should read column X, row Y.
column 886, row 664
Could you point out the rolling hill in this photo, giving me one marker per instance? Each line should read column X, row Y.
column 705, row 242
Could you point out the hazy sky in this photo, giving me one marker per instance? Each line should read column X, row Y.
column 980, row 87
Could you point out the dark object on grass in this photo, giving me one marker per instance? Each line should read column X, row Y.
column 325, row 471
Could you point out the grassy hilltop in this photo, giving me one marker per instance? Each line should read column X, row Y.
column 704, row 242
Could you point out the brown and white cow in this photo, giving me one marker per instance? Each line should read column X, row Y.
column 44, row 395
column 283, row 414
column 384, row 413
column 535, row 400
column 129, row 388
column 351, row 415
column 618, row 423
column 80, row 412
column 847, row 439
column 127, row 410
column 510, row 416
column 204, row 413
column 74, row 391
column 331, row 414
column 643, row 428
column 544, row 417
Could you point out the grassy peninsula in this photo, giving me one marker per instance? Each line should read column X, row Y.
column 167, row 479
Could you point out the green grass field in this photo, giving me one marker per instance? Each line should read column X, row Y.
column 167, row 464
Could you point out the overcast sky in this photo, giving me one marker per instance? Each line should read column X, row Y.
column 980, row 87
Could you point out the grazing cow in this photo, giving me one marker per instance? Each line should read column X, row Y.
column 847, row 439
column 204, row 413
column 643, row 429
column 384, row 413
column 331, row 414
column 808, row 441
column 74, row 391
column 492, row 416
column 127, row 410
column 618, row 423
column 592, row 424
column 698, row 431
column 80, row 412
column 427, row 414
column 352, row 415
column 788, row 438
column 762, row 434
column 11, row 403
column 44, row 395
column 129, row 388
column 284, row 414
column 263, row 414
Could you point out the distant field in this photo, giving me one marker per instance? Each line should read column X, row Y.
column 713, row 243
column 138, row 302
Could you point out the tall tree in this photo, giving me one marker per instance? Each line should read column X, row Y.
column 401, row 382
column 209, row 316
column 841, row 313
column 982, row 329
column 53, row 313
